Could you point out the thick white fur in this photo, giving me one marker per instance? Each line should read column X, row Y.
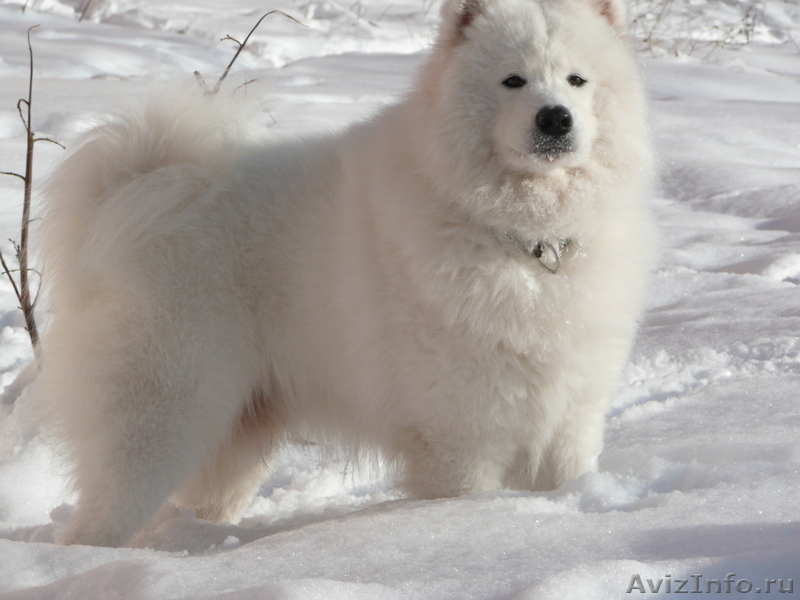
column 210, row 297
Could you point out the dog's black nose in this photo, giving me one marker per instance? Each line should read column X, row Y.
column 554, row 120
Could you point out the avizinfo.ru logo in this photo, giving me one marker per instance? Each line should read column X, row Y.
column 697, row 584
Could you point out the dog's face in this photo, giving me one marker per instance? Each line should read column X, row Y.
column 529, row 76
column 544, row 117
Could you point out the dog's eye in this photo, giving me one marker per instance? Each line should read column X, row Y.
column 514, row 81
column 576, row 80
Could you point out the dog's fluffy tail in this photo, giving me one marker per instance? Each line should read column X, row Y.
column 99, row 203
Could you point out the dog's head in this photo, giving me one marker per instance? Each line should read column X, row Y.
column 533, row 81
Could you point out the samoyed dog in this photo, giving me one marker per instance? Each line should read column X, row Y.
column 454, row 284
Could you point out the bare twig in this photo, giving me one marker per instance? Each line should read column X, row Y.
column 17, row 270
column 202, row 83
column 7, row 272
column 85, row 8
column 794, row 43
column 12, row 174
column 681, row 27
column 665, row 8
column 22, row 253
column 383, row 14
column 23, row 290
column 51, row 141
column 245, row 84
column 19, row 107
column 242, row 45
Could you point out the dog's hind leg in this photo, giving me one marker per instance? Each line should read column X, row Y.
column 126, row 469
column 142, row 399
column 138, row 456
column 223, row 487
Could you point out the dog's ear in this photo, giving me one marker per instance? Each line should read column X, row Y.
column 615, row 12
column 457, row 15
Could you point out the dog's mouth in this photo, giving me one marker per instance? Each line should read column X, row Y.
column 551, row 148
column 544, row 149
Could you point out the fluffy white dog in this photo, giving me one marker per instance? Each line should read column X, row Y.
column 455, row 283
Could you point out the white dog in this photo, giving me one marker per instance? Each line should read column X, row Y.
column 455, row 283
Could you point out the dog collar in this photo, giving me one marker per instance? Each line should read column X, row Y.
column 547, row 253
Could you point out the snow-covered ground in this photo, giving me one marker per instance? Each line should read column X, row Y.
column 700, row 478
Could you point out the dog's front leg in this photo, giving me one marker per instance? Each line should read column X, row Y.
column 439, row 465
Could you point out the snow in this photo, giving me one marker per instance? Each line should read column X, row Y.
column 701, row 471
